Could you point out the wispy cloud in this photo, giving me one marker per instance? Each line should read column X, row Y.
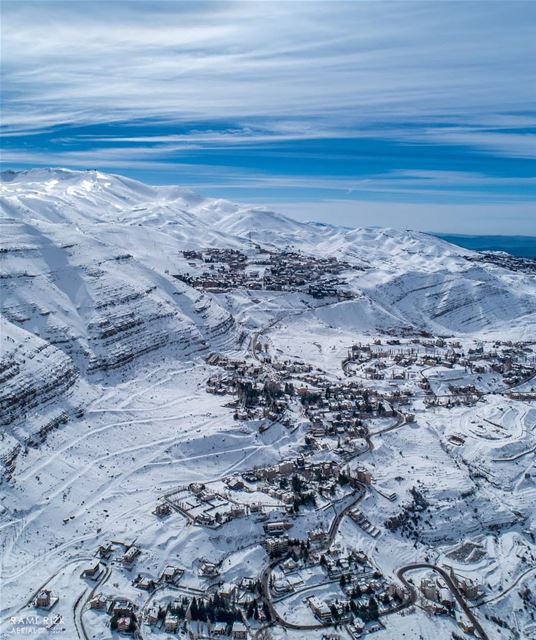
column 86, row 61
column 342, row 97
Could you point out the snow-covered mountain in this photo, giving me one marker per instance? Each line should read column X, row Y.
column 136, row 323
column 87, row 264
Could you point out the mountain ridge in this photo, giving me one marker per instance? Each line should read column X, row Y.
column 87, row 262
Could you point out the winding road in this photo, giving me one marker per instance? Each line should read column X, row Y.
column 267, row 572
column 401, row 574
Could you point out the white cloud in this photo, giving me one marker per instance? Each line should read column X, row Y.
column 84, row 62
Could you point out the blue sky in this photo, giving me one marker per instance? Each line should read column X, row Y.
column 404, row 114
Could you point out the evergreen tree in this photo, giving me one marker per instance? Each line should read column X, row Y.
column 373, row 608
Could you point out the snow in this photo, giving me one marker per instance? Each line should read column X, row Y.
column 104, row 407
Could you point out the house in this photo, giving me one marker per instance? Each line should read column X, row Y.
column 171, row 574
column 228, row 591
column 358, row 625
column 98, row 602
column 209, row 569
column 239, row 631
column 123, row 608
column 144, row 582
column 279, row 587
column 162, row 509
column 469, row 588
column 171, row 623
column 130, row 555
column 248, row 583
column 364, row 476
column 317, row 535
column 235, row 484
column 152, row 615
column 446, row 598
column 124, row 623
column 93, row 571
column 289, row 565
column 43, row 599
column 219, row 629
column 105, row 550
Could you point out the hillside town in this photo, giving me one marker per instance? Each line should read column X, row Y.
column 222, row 270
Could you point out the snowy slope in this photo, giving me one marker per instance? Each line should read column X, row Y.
column 115, row 225
column 75, row 289
column 104, row 405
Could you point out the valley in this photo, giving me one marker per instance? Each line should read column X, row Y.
column 218, row 422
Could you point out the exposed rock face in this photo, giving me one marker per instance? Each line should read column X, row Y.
column 32, row 373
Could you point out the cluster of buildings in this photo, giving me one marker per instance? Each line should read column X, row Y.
column 220, row 270
column 393, row 360
column 362, row 593
column 439, row 596
column 220, row 614
column 301, row 481
column 258, row 394
column 206, row 506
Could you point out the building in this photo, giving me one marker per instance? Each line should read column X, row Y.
column 209, row 569
column 364, row 476
column 171, row 623
column 467, row 586
column 429, row 588
column 171, row 574
column 162, row 509
column 123, row 608
column 394, row 589
column 130, row 555
column 152, row 615
column 144, row 582
column 239, row 631
column 124, row 623
column 93, row 571
column 319, row 608
column 276, row 546
column 43, row 599
column 446, row 598
column 228, row 591
column 235, row 484
column 105, row 550
column 98, row 602
column 317, row 535
column 277, row 527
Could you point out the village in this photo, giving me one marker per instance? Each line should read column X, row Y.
column 308, row 577
column 221, row 270
column 290, row 502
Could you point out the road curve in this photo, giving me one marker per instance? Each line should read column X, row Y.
column 265, row 576
column 450, row 584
